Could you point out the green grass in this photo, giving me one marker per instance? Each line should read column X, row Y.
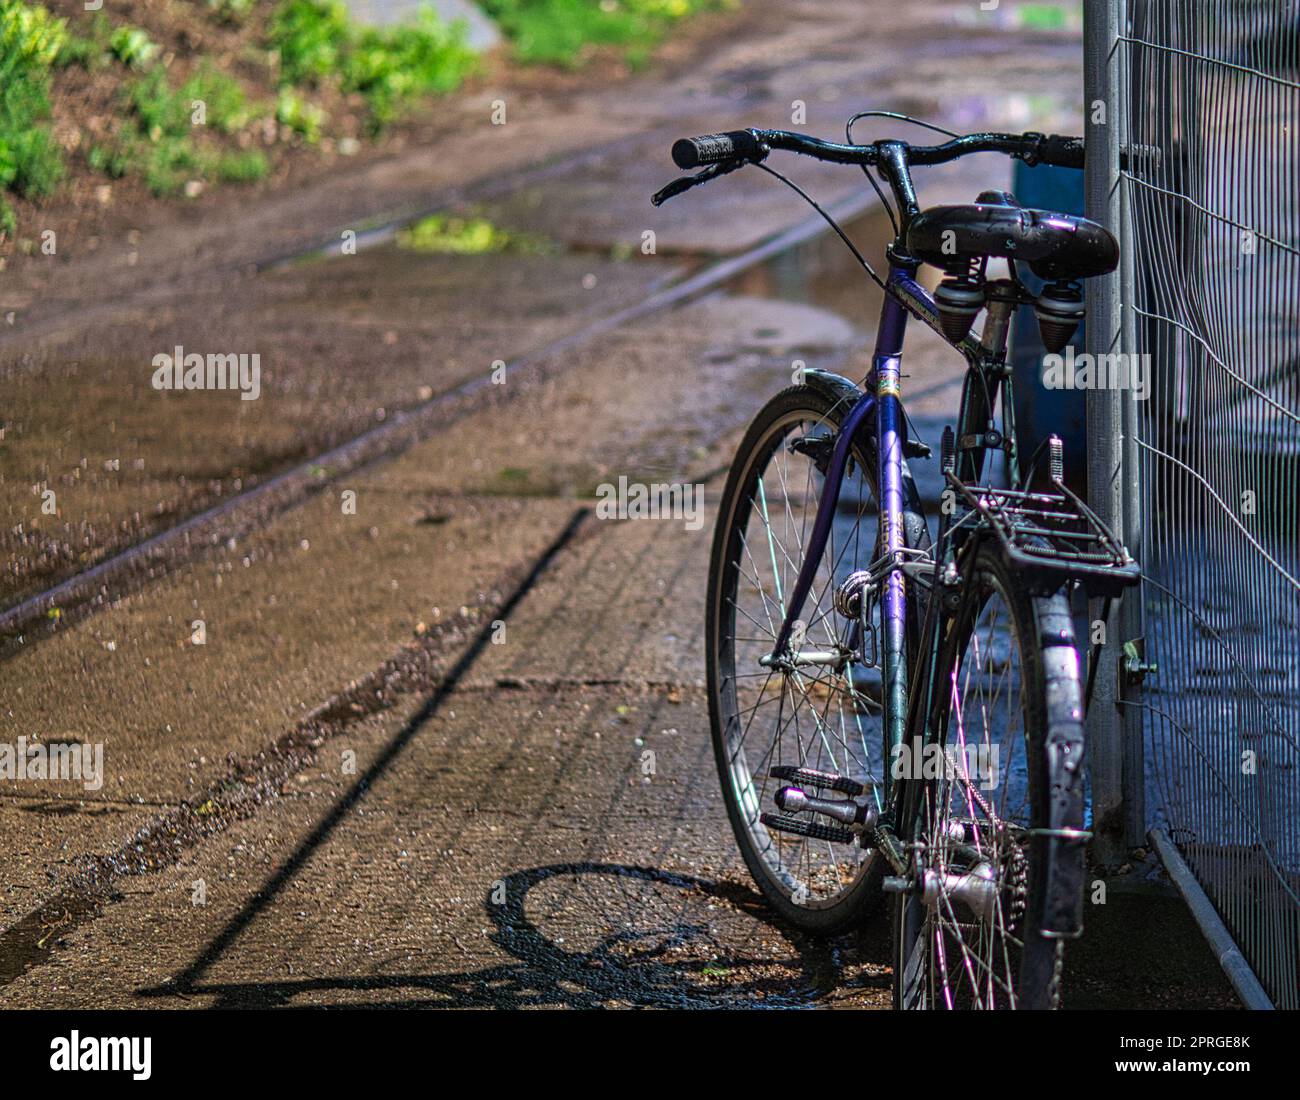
column 300, row 114
column 89, row 51
column 31, row 162
column 391, row 67
column 162, row 140
column 315, row 45
column 470, row 236
column 232, row 12
column 227, row 110
column 159, row 111
column 388, row 66
column 162, row 143
column 245, row 166
column 563, row 32
column 311, row 37
column 133, row 47
column 1049, row 17
column 111, row 160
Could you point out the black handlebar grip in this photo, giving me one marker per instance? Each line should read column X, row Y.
column 693, row 152
column 1064, row 152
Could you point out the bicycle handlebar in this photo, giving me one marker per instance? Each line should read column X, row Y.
column 696, row 152
column 718, row 154
column 1064, row 152
column 754, row 145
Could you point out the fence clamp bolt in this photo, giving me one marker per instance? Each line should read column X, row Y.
column 1133, row 667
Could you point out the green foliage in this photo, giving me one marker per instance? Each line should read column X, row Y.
column 167, row 163
column 300, row 115
column 232, row 12
column 30, row 38
column 161, row 112
column 390, row 66
column 471, row 236
column 164, row 110
column 243, row 167
column 89, row 51
column 133, row 47
column 30, row 161
column 311, row 37
column 163, row 145
column 561, row 32
column 113, row 160
column 387, row 66
column 317, row 45
column 226, row 108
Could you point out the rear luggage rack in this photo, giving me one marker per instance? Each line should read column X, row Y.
column 1050, row 537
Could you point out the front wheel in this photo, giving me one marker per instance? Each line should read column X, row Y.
column 995, row 819
column 825, row 715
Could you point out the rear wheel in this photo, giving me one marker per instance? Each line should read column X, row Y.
column 994, row 820
column 826, row 717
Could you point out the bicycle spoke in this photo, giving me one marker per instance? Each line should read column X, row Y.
column 812, row 715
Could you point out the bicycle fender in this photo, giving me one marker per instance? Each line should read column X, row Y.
column 835, row 386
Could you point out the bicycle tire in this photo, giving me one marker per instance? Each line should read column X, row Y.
column 737, row 505
column 1052, row 711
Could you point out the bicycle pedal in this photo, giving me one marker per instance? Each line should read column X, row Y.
column 826, row 781
column 811, row 829
column 795, row 800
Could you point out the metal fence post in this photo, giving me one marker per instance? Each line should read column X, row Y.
column 1195, row 166
column 1132, row 472
column 1103, row 110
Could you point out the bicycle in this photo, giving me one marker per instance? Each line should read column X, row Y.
column 912, row 705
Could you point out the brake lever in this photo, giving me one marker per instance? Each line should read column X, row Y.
column 685, row 183
column 672, row 190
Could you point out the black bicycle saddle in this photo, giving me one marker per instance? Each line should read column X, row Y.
column 1055, row 246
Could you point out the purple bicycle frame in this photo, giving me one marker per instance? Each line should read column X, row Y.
column 881, row 396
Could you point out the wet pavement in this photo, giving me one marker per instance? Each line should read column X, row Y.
column 437, row 734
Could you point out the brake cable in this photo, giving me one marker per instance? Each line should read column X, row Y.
column 829, row 221
column 848, row 136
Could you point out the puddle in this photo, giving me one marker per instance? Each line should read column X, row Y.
column 823, row 272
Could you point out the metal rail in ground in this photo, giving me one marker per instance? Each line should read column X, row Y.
column 31, row 620
column 1235, row 967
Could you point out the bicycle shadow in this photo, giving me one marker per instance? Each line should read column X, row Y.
column 597, row 935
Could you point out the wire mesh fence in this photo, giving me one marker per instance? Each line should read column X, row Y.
column 1209, row 99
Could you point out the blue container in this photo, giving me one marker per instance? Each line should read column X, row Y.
column 1040, row 411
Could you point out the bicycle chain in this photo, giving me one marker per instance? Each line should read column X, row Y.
column 1054, row 986
column 1018, row 884
column 1017, row 865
